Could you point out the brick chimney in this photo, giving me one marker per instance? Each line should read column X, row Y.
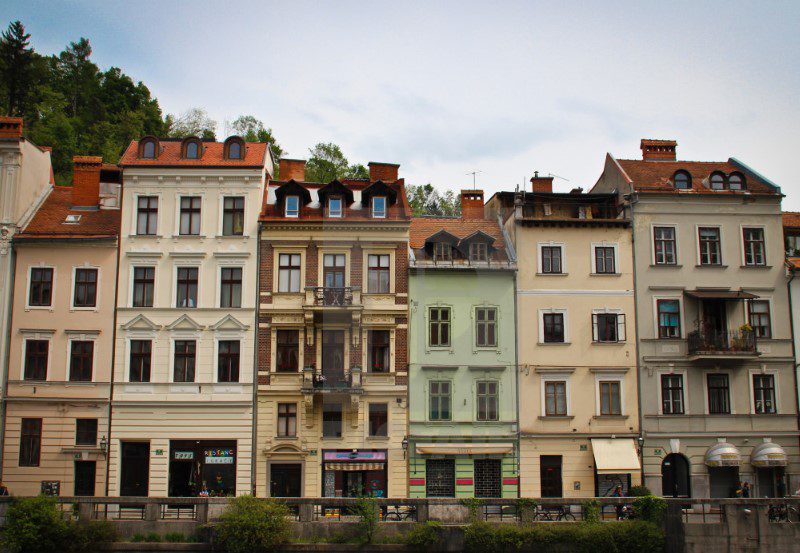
column 658, row 150
column 86, row 181
column 386, row 172
column 542, row 184
column 292, row 169
column 472, row 204
column 10, row 128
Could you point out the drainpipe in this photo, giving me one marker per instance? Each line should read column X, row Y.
column 516, row 379
column 794, row 356
column 113, row 353
column 12, row 271
column 254, row 447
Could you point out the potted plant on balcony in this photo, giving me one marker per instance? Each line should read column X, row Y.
column 740, row 342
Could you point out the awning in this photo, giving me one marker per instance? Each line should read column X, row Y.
column 464, row 449
column 615, row 455
column 723, row 454
column 354, row 466
column 720, row 295
column 768, row 454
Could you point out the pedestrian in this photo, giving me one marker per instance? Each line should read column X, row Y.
column 737, row 491
column 746, row 490
column 620, row 507
column 3, row 489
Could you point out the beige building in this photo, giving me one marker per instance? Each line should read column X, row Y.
column 716, row 371
column 184, row 355
column 576, row 336
column 59, row 373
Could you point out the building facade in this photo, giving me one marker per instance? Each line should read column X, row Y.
column 332, row 381
column 717, row 378
column 462, row 357
column 182, row 405
column 576, row 336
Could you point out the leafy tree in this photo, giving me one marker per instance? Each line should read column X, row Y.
column 251, row 525
column 16, row 67
column 327, row 162
column 252, row 130
column 193, row 122
column 426, row 200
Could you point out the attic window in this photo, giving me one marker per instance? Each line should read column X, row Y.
column 478, row 251
column 736, row 181
column 379, row 207
column 234, row 148
column 72, row 220
column 717, row 181
column 682, row 180
column 335, row 206
column 442, row 251
column 292, row 206
column 147, row 148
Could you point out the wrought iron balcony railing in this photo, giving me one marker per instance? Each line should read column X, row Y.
column 722, row 342
column 330, row 381
column 333, row 297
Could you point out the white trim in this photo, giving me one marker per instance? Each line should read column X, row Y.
column 776, row 387
column 610, row 377
column 683, row 373
column 593, row 257
column 718, row 370
column 653, row 244
column 286, row 206
column 96, row 306
column 539, row 246
column 682, row 329
column 221, row 214
column 28, row 306
column 541, row 324
column 37, row 335
column 555, row 377
column 135, row 222
column 763, row 228
column 82, row 337
column 375, row 214
column 698, row 261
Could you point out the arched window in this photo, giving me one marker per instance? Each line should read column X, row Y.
column 682, row 180
column 234, row 148
column 192, row 150
column 149, row 149
column 736, row 181
column 717, row 181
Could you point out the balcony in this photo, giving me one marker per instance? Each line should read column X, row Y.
column 347, row 297
column 733, row 344
column 332, row 382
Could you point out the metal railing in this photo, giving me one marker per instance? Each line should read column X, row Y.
column 724, row 342
column 332, row 381
column 333, row 297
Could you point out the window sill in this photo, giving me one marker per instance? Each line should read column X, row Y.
column 193, row 236
column 710, row 266
column 229, row 236
column 665, row 266
column 93, row 308
column 554, row 343
column 286, row 438
column 553, row 274
column 606, row 274
column 331, row 438
column 156, row 236
column 556, row 417
column 619, row 343
column 755, row 267
column 39, row 308
column 378, row 438
column 611, row 417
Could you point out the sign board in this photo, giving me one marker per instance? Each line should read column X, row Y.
column 183, row 455
column 51, row 487
column 219, row 456
column 354, row 456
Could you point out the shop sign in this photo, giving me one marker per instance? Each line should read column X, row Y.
column 184, row 455
column 219, row 456
column 354, row 456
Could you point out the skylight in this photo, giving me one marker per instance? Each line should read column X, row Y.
column 72, row 220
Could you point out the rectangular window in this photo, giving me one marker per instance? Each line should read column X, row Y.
column 608, row 327
column 555, row 398
column 379, row 207
column 710, row 246
column 604, row 260
column 792, row 245
column 553, row 327
column 233, row 216
column 287, row 420
column 754, row 247
column 488, row 477
column 609, row 398
column 335, row 206
column 669, row 318
column 185, row 354
column 85, row 294
column 333, row 270
column 230, row 288
column 140, row 360
column 30, row 447
column 41, row 289
column 759, row 317
column 664, row 241
column 36, row 353
column 187, row 287
column 439, row 321
column 478, row 251
column 228, row 361
column 378, row 344
column 440, row 401
column 486, row 327
column 80, row 361
column 144, row 279
column 287, row 351
column 442, row 251
column 378, row 274
column 292, row 206
column 764, row 394
column 190, row 216
column 487, row 399
column 672, row 394
column 332, row 420
column 440, row 477
column 86, row 432
column 289, row 272
column 551, row 259
column 719, row 402
column 378, row 419
column 147, row 215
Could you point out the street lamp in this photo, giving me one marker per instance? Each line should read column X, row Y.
column 103, row 445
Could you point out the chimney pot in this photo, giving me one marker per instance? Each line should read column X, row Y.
column 542, row 184
column 86, row 181
column 386, row 172
column 10, row 128
column 472, row 205
column 658, row 150
column 292, row 169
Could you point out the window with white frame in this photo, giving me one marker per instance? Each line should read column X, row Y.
column 608, row 327
column 605, row 260
column 289, row 272
column 672, row 402
column 292, row 206
column 710, row 245
column 665, row 246
column 335, row 206
column 759, row 317
column 754, row 249
column 379, row 207
column 551, row 259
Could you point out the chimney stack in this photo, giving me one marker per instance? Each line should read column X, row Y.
column 10, row 128
column 292, row 169
column 472, row 205
column 542, row 184
column 86, row 181
column 658, row 150
column 386, row 172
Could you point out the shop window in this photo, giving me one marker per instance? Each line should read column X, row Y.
column 289, row 272
column 378, row 274
column 86, row 432
column 85, row 293
column 378, row 342
column 710, row 246
column 604, row 260
column 378, row 419
column 669, row 318
column 231, row 287
column 202, row 468
column 610, row 403
column 36, row 354
column 440, row 401
column 185, row 352
column 41, row 287
column 754, row 247
column 487, row 478
column 759, row 317
column 287, row 351
column 190, row 216
column 555, row 395
column 187, row 287
column 665, row 245
column 233, row 216
column 332, row 420
column 80, row 361
column 551, row 260
column 486, row 327
column 147, row 215
column 764, row 394
column 30, row 446
column 719, row 402
column 228, row 361
column 143, row 286
column 553, row 327
column 487, row 400
column 287, row 420
column 672, row 394
column 439, row 323
column 440, row 478
column 140, row 360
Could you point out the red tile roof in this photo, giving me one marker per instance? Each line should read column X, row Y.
column 423, row 228
column 794, row 262
column 656, row 176
column 791, row 219
column 48, row 221
column 170, row 155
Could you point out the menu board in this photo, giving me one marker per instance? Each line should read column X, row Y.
column 51, row 487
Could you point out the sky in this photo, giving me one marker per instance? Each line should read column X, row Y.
column 448, row 88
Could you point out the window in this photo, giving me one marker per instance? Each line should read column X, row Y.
column 335, row 206
column 149, row 150
column 669, row 318
column 184, row 360
column 758, row 314
column 442, row 251
column 486, row 327
column 487, row 401
column 555, row 398
column 439, row 335
column 287, row 351
column 672, row 394
column 143, row 286
column 664, row 239
column 233, row 216
column 378, row 351
column 80, row 361
column 379, row 207
column 30, row 446
column 735, row 181
column 140, row 360
column 378, row 273
column 289, row 272
column 792, row 245
column 230, row 287
column 553, row 327
column 41, row 290
column 754, row 247
column 440, row 478
column 551, row 259
column 192, row 150
column 608, row 327
column 440, row 401
column 488, row 477
column 234, row 150
column 710, row 249
column 228, row 361
column 36, row 353
column 609, row 398
column 682, row 180
column 378, row 419
column 190, row 216
column 604, row 260
column 478, row 251
column 718, row 395
column 717, row 181
column 287, row 420
column 85, row 294
column 147, row 215
column 292, row 206
column 333, row 270
column 187, row 287
column 332, row 420
column 86, row 432
column 764, row 394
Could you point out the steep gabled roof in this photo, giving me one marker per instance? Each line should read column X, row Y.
column 213, row 156
column 49, row 221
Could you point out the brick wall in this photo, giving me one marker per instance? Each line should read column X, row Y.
column 401, row 272
column 357, row 267
column 311, row 265
column 265, row 270
column 401, row 350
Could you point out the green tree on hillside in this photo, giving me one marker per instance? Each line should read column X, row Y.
column 16, row 67
column 253, row 130
column 193, row 122
column 426, row 200
column 327, row 162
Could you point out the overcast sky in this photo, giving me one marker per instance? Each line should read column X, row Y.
column 446, row 88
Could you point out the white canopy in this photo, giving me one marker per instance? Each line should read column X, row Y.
column 768, row 454
column 723, row 454
column 464, row 449
column 615, row 455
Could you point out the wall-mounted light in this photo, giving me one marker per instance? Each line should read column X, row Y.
column 103, row 444
column 404, row 445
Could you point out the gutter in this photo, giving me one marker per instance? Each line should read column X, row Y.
column 794, row 348
column 113, row 355
column 12, row 271
column 511, row 250
column 254, row 446
column 633, row 199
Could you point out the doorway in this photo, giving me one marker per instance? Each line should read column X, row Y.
column 723, row 481
column 715, row 322
column 333, row 356
column 440, row 478
column 85, row 476
column 550, row 474
column 675, row 476
column 135, row 469
column 285, row 479
column 488, row 478
column 771, row 482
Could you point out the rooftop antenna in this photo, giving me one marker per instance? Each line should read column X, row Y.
column 473, row 173
column 557, row 177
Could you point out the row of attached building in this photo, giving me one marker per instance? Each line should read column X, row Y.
column 183, row 324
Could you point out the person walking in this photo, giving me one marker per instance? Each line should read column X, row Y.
column 620, row 507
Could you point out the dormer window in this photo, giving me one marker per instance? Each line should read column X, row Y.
column 148, row 148
column 379, row 207
column 717, row 181
column 478, row 251
column 72, row 219
column 335, row 206
column 442, row 251
column 682, row 180
column 192, row 148
column 234, row 148
column 736, row 181
column 292, row 206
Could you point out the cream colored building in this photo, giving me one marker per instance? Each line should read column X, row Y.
column 576, row 336
column 184, row 356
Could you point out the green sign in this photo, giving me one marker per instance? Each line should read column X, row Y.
column 159, row 452
column 657, row 452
